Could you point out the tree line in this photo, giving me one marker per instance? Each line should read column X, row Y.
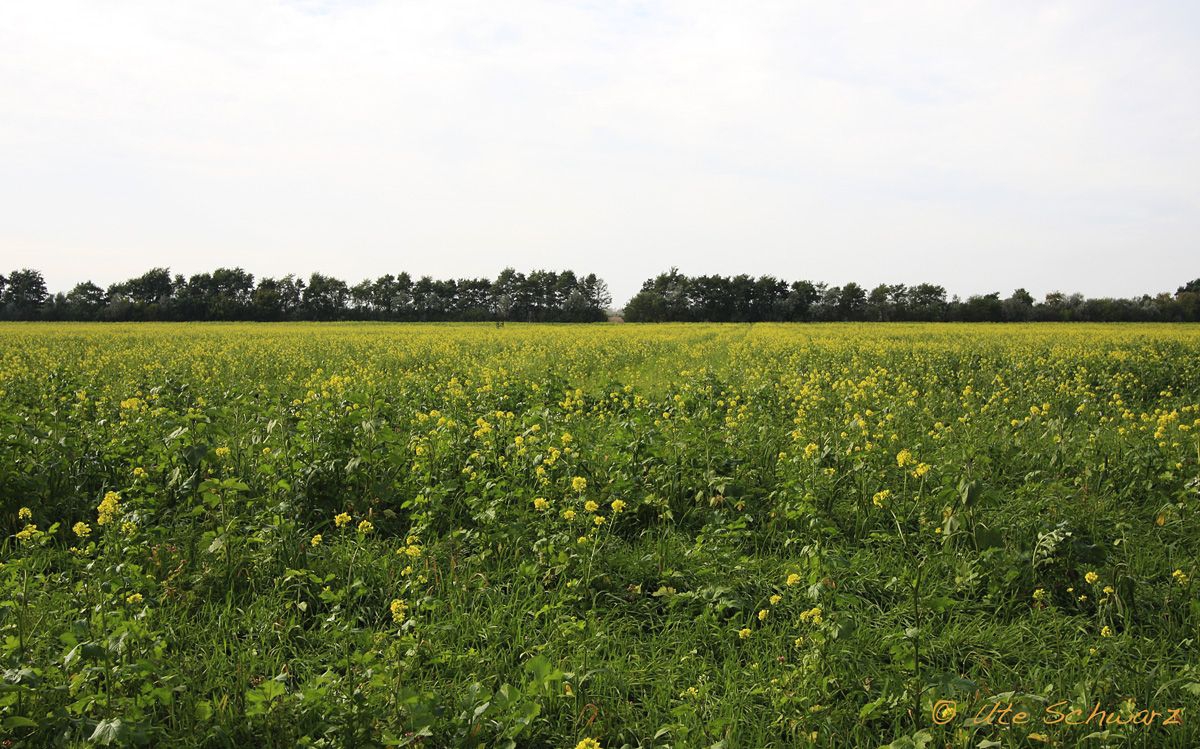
column 549, row 296
column 674, row 297
column 233, row 294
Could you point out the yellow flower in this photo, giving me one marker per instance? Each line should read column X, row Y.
column 133, row 598
column 598, row 520
column 776, row 599
column 744, row 632
column 763, row 614
column 108, row 508
column 590, row 506
column 28, row 533
column 1106, row 631
column 139, row 472
column 810, row 449
column 1091, row 577
column 82, row 529
column 568, row 515
column 399, row 610
column 618, row 505
column 316, row 540
column 579, row 483
column 24, row 513
column 881, row 497
column 222, row 452
column 540, row 503
column 342, row 519
column 1039, row 594
column 1180, row 577
column 366, row 527
column 588, row 744
column 920, row 470
column 904, row 458
column 793, row 579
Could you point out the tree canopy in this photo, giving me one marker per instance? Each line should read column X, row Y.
column 674, row 297
column 233, row 294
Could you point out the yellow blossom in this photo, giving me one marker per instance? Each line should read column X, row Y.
column 342, row 519
column 579, row 483
column 108, row 508
column 399, row 610
column 82, row 529
column 316, row 540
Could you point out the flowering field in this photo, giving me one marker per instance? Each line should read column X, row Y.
column 559, row 536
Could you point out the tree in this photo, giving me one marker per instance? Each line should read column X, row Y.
column 510, row 295
column 663, row 298
column 324, row 298
column 800, row 300
column 983, row 308
column 852, row 302
column 24, row 294
column 1018, row 307
column 85, row 302
column 927, row 302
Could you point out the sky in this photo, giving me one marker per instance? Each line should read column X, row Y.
column 981, row 146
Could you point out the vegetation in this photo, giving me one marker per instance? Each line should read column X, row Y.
column 547, row 296
column 454, row 535
column 232, row 294
column 674, row 297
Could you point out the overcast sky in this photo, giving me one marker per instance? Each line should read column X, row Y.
column 982, row 146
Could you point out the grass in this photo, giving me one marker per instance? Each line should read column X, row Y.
column 822, row 534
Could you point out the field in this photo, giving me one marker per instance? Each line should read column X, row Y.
column 676, row 535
